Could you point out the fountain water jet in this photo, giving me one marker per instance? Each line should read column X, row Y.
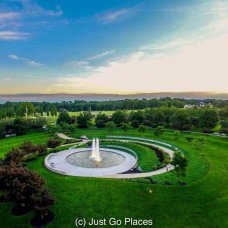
column 95, row 155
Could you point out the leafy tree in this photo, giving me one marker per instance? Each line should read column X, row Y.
column 159, row 131
column 208, row 118
column 119, row 117
column 223, row 113
column 101, row 120
column 26, row 109
column 2, row 130
column 135, row 123
column 53, row 129
column 39, row 122
column 125, row 127
column 83, row 120
column 176, row 135
column 20, row 126
column 180, row 165
column 137, row 116
column 64, row 117
column 180, row 120
column 224, row 123
column 9, row 109
column 142, row 129
column 110, row 126
column 53, row 110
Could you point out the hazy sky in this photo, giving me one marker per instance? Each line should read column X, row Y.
column 113, row 46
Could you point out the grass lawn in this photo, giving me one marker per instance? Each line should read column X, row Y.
column 203, row 202
column 52, row 119
column 148, row 161
column 8, row 143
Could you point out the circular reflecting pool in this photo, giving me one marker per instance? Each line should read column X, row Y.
column 82, row 159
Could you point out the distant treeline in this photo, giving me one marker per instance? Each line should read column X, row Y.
column 13, row 109
column 204, row 119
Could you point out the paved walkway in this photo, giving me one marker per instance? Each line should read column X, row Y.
column 63, row 136
column 167, row 168
column 57, row 162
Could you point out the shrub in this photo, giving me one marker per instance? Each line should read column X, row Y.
column 41, row 149
column 28, row 147
column 14, row 156
column 53, row 143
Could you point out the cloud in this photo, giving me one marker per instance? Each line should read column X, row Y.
column 79, row 64
column 13, row 35
column 8, row 16
column 7, row 79
column 113, row 16
column 101, row 55
column 25, row 60
column 28, row 15
column 200, row 66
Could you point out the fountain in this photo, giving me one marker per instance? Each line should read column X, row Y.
column 95, row 155
column 93, row 162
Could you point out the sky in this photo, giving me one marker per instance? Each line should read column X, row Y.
column 114, row 46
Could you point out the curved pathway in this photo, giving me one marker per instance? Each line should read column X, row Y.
column 167, row 148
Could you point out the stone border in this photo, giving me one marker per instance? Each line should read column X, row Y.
column 56, row 162
column 167, row 148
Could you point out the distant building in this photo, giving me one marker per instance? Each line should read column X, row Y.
column 189, row 106
column 200, row 105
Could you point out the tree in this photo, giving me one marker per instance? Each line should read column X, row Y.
column 2, row 130
column 180, row 120
column 82, row 121
column 159, row 131
column 119, row 117
column 180, row 165
column 52, row 129
column 135, row 123
column 176, row 135
column 53, row 110
column 110, row 126
column 26, row 109
column 64, row 117
column 19, row 126
column 208, row 118
column 142, row 129
column 101, row 120
column 125, row 127
column 39, row 122
column 137, row 116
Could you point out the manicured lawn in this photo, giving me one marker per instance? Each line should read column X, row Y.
column 8, row 143
column 203, row 202
column 148, row 161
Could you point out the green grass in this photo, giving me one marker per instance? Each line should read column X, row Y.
column 52, row 119
column 148, row 161
column 8, row 143
column 203, row 202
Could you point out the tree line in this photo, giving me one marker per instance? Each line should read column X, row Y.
column 204, row 119
column 13, row 109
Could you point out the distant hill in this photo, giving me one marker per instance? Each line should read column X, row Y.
column 103, row 97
